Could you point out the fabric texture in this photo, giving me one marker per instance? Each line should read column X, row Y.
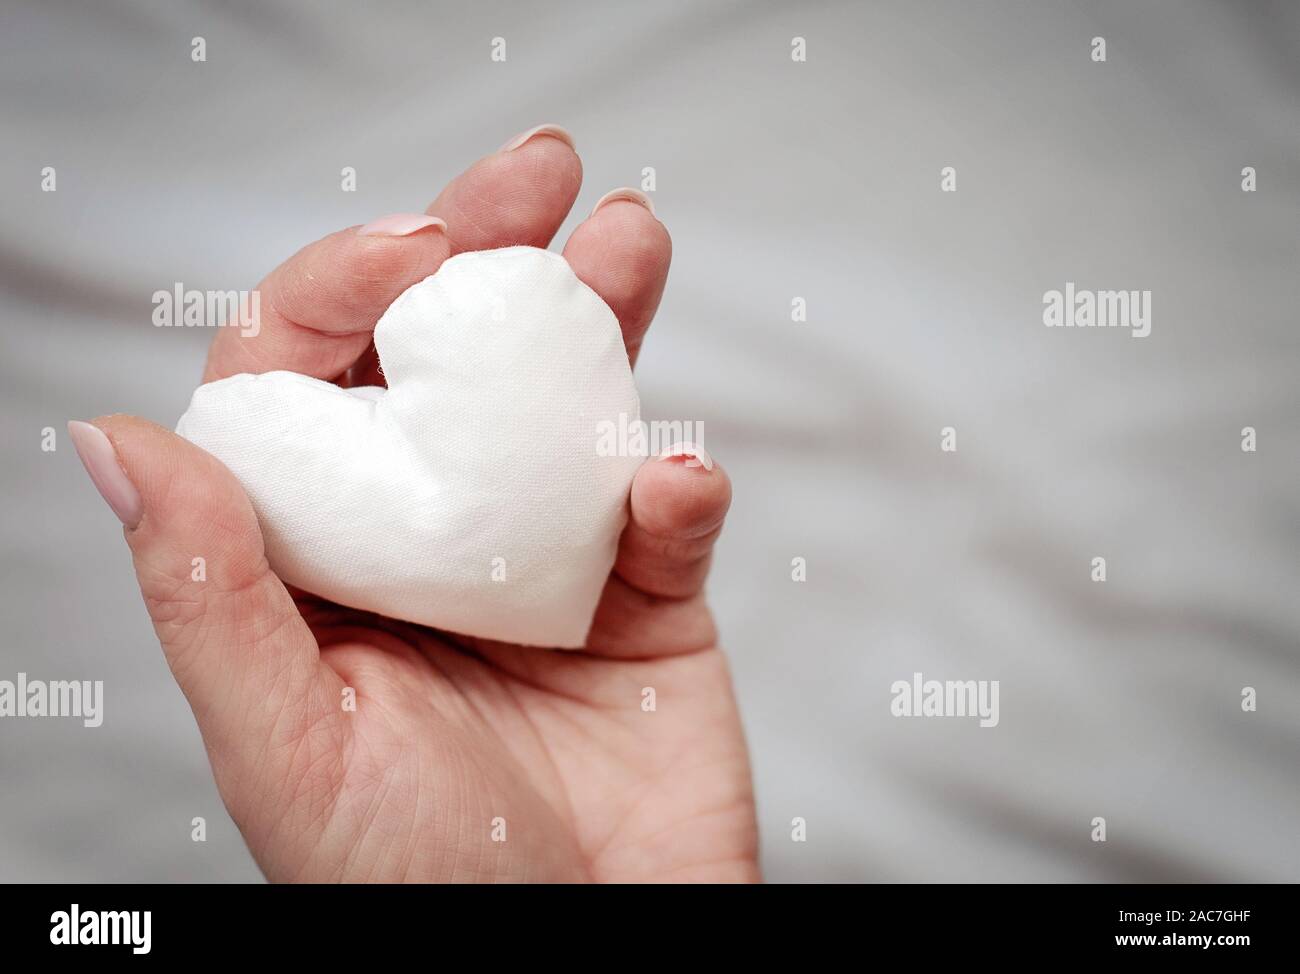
column 470, row 495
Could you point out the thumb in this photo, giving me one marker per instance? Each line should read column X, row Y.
column 232, row 635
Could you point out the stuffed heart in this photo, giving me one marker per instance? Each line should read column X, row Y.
column 469, row 495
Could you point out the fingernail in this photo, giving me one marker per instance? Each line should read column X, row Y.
column 400, row 225
column 626, row 193
column 557, row 131
column 696, row 456
column 100, row 460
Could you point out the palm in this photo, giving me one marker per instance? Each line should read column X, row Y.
column 473, row 761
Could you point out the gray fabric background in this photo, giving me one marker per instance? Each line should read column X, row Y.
column 776, row 179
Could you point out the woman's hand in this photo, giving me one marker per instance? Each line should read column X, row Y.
column 463, row 759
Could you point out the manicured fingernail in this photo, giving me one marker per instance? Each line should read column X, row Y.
column 100, row 460
column 696, row 456
column 557, row 131
column 626, row 193
column 400, row 225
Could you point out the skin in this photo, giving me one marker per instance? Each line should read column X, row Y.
column 450, row 733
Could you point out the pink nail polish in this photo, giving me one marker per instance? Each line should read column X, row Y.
column 400, row 225
column 100, row 460
column 696, row 456
column 626, row 193
column 556, row 131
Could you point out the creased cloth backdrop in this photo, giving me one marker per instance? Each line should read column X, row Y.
column 777, row 180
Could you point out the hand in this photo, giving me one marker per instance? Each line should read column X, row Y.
column 455, row 742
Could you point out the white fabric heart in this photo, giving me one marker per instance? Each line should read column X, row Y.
column 470, row 495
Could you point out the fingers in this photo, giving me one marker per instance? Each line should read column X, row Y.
column 678, row 504
column 622, row 252
column 230, row 631
column 319, row 308
column 519, row 195
column 653, row 604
